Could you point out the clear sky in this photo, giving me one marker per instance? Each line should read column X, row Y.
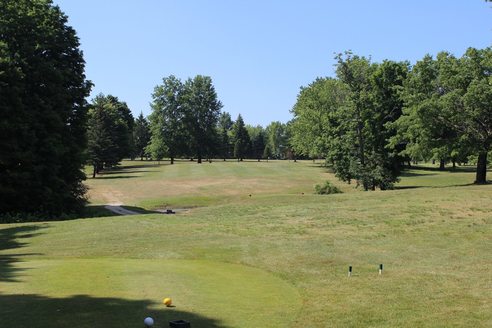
column 259, row 52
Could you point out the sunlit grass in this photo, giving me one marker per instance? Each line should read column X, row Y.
column 433, row 236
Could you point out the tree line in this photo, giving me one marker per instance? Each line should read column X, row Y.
column 366, row 121
column 372, row 117
column 186, row 122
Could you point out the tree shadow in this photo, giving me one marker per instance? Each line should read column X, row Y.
column 82, row 311
column 421, row 173
column 103, row 177
column 461, row 169
column 440, row 187
column 407, row 187
column 133, row 167
column 12, row 238
column 122, row 171
column 96, row 211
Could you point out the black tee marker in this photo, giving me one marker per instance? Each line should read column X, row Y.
column 350, row 271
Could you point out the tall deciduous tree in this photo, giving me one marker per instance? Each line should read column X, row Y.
column 257, row 136
column 348, row 120
column 315, row 116
column 448, row 107
column 373, row 103
column 201, row 110
column 43, row 110
column 276, row 139
column 471, row 104
column 167, row 120
column 422, row 128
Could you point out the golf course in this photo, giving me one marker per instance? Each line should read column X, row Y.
column 252, row 245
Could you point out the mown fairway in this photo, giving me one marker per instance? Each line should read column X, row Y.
column 277, row 258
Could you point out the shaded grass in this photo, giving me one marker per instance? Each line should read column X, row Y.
column 135, row 288
column 86, row 311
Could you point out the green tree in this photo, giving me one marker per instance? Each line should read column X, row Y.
column 472, row 112
column 257, row 136
column 101, row 146
column 240, row 138
column 167, row 120
column 123, row 125
column 315, row 116
column 267, row 152
column 359, row 148
column 225, row 130
column 141, row 135
column 110, row 131
column 43, row 110
column 421, row 129
column 201, row 110
column 447, row 109
column 276, row 139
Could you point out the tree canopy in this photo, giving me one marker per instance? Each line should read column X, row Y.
column 184, row 118
column 110, row 132
column 43, row 110
column 373, row 116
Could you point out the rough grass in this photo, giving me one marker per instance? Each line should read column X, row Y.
column 433, row 236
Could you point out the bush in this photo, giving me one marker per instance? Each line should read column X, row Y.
column 326, row 189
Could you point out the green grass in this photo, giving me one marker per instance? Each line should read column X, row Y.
column 276, row 259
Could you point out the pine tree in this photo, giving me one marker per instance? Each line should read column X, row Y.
column 241, row 139
column 141, row 135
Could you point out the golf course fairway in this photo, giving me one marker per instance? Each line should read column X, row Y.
column 55, row 291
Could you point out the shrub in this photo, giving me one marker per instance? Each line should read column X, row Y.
column 326, row 188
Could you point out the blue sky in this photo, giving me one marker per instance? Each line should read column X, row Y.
column 259, row 52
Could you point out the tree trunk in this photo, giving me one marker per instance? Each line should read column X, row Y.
column 172, row 160
column 442, row 164
column 94, row 172
column 454, row 164
column 481, row 176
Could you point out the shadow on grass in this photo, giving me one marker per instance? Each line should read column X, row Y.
column 136, row 166
column 12, row 238
column 421, row 173
column 408, row 187
column 37, row 311
column 446, row 169
column 121, row 171
column 439, row 187
column 111, row 177
column 96, row 211
column 140, row 210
